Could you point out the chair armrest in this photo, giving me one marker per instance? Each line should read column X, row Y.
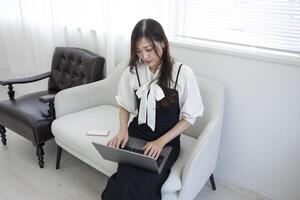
column 26, row 80
column 47, row 98
column 202, row 161
column 11, row 92
column 50, row 100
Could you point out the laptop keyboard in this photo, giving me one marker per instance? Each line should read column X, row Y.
column 139, row 151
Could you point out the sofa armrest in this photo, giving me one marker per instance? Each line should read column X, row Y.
column 86, row 96
column 201, row 162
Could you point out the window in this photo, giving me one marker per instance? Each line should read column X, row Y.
column 267, row 24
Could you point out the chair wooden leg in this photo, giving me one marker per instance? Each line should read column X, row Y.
column 212, row 182
column 40, row 154
column 58, row 156
column 3, row 136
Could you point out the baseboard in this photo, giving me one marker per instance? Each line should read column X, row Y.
column 252, row 186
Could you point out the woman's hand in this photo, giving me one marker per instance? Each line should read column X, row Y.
column 120, row 139
column 153, row 148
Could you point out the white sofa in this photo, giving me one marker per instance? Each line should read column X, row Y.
column 93, row 106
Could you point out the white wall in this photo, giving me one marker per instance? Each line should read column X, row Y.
column 259, row 146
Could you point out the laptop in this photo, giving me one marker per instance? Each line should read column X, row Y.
column 133, row 154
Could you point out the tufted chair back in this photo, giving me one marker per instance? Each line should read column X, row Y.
column 74, row 66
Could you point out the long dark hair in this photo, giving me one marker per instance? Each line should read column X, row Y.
column 153, row 31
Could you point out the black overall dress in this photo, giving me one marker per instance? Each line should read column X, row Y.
column 133, row 183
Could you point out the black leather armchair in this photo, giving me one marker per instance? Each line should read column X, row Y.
column 29, row 115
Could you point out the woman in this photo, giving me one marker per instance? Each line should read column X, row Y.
column 165, row 96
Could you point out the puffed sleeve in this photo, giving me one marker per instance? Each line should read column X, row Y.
column 191, row 101
column 126, row 97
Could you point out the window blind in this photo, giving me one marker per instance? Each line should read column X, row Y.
column 269, row 24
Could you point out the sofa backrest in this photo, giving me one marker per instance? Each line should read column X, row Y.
column 113, row 81
column 212, row 93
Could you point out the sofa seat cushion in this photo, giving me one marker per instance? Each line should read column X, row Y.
column 173, row 183
column 70, row 130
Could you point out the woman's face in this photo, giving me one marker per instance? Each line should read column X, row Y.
column 146, row 52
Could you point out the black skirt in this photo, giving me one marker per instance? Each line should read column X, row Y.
column 133, row 183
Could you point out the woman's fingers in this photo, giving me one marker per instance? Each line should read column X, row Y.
column 118, row 141
column 110, row 143
column 113, row 142
column 151, row 152
column 157, row 154
column 145, row 146
column 148, row 148
column 154, row 154
column 124, row 142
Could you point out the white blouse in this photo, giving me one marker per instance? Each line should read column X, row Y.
column 190, row 101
